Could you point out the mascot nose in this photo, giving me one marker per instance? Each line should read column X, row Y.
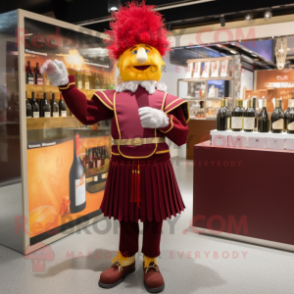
column 141, row 55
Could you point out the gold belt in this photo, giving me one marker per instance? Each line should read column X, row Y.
column 137, row 141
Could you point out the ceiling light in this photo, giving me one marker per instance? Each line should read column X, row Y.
column 268, row 14
column 113, row 5
column 248, row 16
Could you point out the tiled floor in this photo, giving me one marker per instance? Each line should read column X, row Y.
column 221, row 266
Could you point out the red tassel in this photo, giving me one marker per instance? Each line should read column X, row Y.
column 135, row 184
column 138, row 198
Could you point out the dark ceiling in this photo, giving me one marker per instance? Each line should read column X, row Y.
column 79, row 11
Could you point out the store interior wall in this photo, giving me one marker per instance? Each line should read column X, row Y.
column 247, row 80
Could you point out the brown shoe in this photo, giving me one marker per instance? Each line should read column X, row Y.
column 117, row 273
column 153, row 279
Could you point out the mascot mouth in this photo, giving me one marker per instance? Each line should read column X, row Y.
column 142, row 67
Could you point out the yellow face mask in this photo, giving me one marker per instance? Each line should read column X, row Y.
column 141, row 62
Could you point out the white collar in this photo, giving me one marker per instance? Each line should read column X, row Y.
column 148, row 85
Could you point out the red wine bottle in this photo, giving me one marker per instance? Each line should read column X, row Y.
column 30, row 79
column 77, row 181
column 35, row 107
column 38, row 76
column 46, row 109
column 54, row 107
column 237, row 116
column 290, row 117
column 28, row 106
column 62, row 107
column 249, row 117
column 223, row 117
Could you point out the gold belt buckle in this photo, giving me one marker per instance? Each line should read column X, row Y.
column 137, row 142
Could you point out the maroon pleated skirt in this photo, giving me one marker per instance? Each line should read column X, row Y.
column 160, row 195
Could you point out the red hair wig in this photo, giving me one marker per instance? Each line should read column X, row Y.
column 136, row 24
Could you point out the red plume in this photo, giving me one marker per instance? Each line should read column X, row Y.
column 134, row 24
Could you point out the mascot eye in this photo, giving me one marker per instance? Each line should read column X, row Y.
column 147, row 50
column 135, row 52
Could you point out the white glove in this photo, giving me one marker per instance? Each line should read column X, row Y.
column 153, row 118
column 56, row 72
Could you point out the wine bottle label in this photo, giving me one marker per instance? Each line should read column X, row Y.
column 36, row 114
column 96, row 179
column 237, row 122
column 80, row 191
column 31, row 81
column 87, row 85
column 278, row 125
column 99, row 163
column 249, row 123
column 55, row 114
column 63, row 113
column 291, row 126
column 39, row 81
column 47, row 114
column 104, row 176
column 80, row 85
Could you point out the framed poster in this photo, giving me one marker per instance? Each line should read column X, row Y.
column 206, row 69
column 215, row 67
column 197, row 70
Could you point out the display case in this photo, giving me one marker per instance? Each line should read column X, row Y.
column 53, row 169
column 210, row 80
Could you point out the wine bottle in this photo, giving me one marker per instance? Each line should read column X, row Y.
column 254, row 106
column 237, row 116
column 54, row 107
column 35, row 107
column 286, row 115
column 263, row 119
column 97, row 82
column 99, row 157
column 223, row 118
column 29, row 106
column 249, row 117
column 29, row 74
column 38, row 76
column 86, row 82
column 79, row 81
column 94, row 158
column 102, row 156
column 77, row 183
column 90, row 158
column 290, row 117
column 277, row 119
column 46, row 109
column 62, row 107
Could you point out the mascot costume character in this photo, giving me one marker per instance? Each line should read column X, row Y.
column 141, row 183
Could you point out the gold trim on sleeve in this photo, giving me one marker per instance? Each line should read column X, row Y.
column 65, row 88
column 105, row 97
column 188, row 118
column 172, row 103
column 163, row 151
column 163, row 102
column 103, row 102
column 172, row 125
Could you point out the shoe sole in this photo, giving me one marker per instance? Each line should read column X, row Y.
column 109, row 286
column 154, row 290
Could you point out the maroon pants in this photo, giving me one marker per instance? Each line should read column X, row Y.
column 129, row 238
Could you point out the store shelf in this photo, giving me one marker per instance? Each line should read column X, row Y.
column 206, row 79
column 207, row 118
column 203, row 99
column 49, row 88
column 52, row 123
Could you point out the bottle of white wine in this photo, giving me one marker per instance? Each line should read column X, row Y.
column 237, row 116
column 277, row 119
column 77, row 181
column 249, row 117
column 290, row 117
